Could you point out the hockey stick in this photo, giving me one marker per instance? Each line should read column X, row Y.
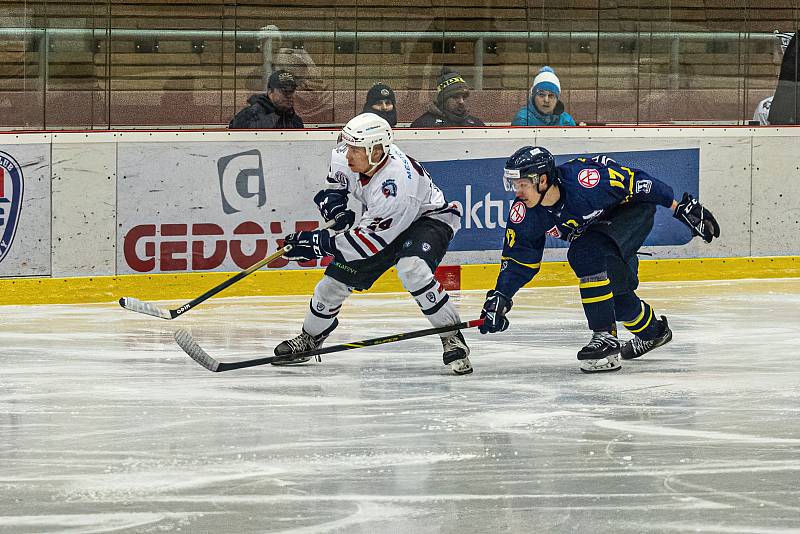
column 196, row 352
column 136, row 305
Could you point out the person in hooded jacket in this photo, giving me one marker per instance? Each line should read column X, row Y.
column 544, row 105
column 450, row 107
column 275, row 109
column 382, row 102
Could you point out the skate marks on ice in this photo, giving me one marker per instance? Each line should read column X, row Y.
column 105, row 424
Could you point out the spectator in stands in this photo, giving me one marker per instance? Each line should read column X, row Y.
column 785, row 108
column 761, row 114
column 544, row 103
column 275, row 109
column 381, row 101
column 450, row 107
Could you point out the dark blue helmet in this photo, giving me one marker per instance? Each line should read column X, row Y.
column 529, row 162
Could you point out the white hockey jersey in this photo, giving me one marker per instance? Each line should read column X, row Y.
column 397, row 195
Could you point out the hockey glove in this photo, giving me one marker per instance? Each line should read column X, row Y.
column 308, row 246
column 332, row 204
column 494, row 312
column 691, row 213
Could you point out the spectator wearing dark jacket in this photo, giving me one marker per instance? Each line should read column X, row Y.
column 275, row 109
column 382, row 102
column 785, row 108
column 449, row 110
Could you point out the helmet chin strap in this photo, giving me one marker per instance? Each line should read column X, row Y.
column 374, row 165
column 541, row 195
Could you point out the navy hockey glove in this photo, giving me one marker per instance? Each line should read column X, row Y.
column 332, row 204
column 308, row 246
column 691, row 213
column 494, row 312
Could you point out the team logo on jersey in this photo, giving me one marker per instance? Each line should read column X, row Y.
column 517, row 214
column 426, row 247
column 554, row 232
column 431, row 296
column 389, row 188
column 11, row 189
column 408, row 244
column 320, row 306
column 589, row 178
column 644, row 186
column 503, row 265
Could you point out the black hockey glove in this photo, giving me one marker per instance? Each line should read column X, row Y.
column 308, row 246
column 494, row 312
column 691, row 213
column 332, row 204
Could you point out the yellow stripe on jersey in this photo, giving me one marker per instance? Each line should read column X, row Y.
column 528, row 265
column 615, row 183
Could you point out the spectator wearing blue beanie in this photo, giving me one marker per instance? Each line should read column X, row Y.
column 544, row 105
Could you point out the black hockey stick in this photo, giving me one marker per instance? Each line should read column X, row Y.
column 136, row 305
column 196, row 352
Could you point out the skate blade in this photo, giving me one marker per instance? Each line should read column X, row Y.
column 291, row 362
column 603, row 365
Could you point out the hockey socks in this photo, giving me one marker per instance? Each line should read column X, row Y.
column 645, row 326
column 598, row 301
column 325, row 305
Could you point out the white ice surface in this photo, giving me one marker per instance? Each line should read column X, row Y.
column 106, row 426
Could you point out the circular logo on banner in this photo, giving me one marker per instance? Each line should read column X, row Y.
column 517, row 214
column 589, row 177
column 11, row 190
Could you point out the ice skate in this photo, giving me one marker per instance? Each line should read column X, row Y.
column 302, row 343
column 601, row 354
column 456, row 354
column 638, row 347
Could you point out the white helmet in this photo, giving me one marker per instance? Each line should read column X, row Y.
column 368, row 130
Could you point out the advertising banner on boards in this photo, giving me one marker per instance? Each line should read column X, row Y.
column 25, row 210
column 200, row 206
column 476, row 184
column 213, row 206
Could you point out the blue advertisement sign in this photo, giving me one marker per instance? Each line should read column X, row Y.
column 477, row 185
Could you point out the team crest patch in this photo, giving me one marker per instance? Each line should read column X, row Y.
column 320, row 306
column 431, row 296
column 517, row 214
column 554, row 232
column 589, row 178
column 389, row 188
column 407, row 244
column 426, row 247
column 11, row 189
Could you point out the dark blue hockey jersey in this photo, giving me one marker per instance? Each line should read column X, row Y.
column 590, row 189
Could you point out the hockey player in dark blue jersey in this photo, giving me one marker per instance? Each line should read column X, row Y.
column 605, row 210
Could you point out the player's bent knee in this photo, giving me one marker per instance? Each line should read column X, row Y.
column 414, row 273
column 588, row 254
column 331, row 290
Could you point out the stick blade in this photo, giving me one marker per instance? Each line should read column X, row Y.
column 195, row 351
column 139, row 306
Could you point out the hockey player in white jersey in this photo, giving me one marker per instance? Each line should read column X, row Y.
column 407, row 224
